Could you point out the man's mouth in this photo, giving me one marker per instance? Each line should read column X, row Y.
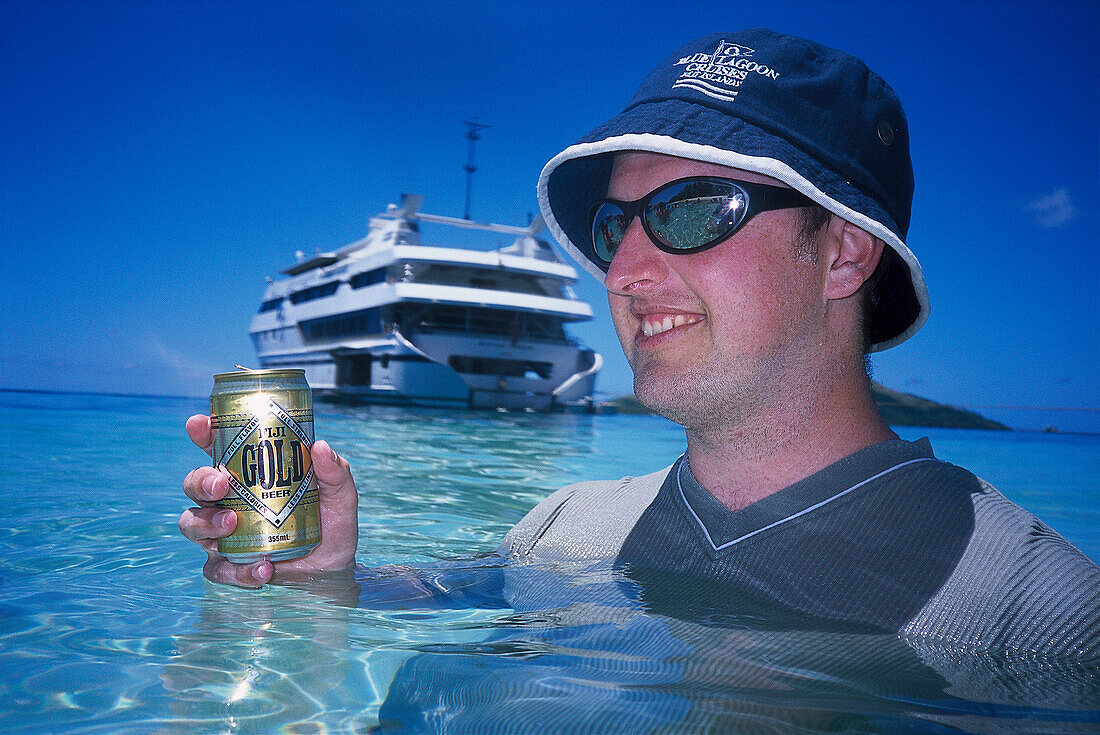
column 654, row 324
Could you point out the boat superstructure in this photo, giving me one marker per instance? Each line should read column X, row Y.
column 389, row 319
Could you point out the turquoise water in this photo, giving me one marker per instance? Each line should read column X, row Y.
column 107, row 626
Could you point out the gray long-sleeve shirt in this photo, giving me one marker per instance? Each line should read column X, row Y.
column 887, row 539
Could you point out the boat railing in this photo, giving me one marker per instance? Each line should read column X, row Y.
column 594, row 361
column 537, row 224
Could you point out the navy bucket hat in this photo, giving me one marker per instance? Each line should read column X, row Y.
column 814, row 118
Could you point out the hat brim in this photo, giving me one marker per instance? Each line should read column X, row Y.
column 575, row 177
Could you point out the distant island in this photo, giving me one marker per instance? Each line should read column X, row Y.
column 903, row 409
column 899, row 409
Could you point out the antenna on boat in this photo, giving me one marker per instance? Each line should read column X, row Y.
column 472, row 135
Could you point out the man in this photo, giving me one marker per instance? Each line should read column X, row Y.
column 747, row 213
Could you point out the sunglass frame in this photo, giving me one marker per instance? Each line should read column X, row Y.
column 759, row 198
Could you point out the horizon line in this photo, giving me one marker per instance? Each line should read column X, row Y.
column 124, row 394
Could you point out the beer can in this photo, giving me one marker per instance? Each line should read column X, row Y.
column 263, row 431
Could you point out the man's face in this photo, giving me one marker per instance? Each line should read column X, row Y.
column 712, row 336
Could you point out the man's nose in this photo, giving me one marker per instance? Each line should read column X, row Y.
column 637, row 263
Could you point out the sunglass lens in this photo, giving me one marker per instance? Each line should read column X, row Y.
column 693, row 214
column 608, row 226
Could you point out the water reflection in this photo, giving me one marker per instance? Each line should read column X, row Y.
column 256, row 662
column 600, row 650
column 443, row 483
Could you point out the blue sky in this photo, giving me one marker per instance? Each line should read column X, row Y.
column 159, row 160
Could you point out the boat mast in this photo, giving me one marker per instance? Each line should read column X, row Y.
column 472, row 135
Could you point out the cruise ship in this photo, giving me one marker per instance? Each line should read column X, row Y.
column 392, row 319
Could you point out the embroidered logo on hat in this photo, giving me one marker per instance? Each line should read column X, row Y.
column 719, row 74
column 814, row 118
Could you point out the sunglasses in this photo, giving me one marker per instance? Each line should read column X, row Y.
column 687, row 215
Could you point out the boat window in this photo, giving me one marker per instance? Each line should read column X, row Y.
column 353, row 324
column 504, row 368
column 514, row 325
column 361, row 280
column 271, row 304
column 490, row 280
column 354, row 370
column 315, row 292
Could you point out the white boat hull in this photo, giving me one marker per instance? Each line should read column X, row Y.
column 427, row 373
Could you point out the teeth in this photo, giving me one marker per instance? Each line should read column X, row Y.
column 650, row 328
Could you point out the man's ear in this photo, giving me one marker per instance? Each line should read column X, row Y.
column 853, row 255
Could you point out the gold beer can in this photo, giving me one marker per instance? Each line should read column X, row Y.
column 263, row 431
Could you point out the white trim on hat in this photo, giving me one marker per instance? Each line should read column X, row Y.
column 651, row 143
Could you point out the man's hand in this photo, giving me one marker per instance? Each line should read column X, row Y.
column 206, row 524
